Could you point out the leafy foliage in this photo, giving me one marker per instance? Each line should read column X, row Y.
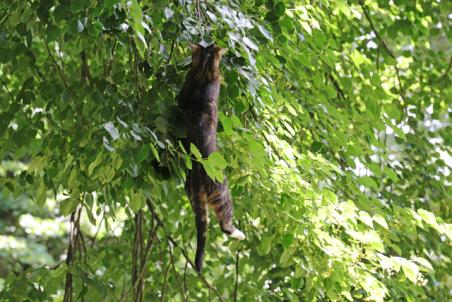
column 334, row 134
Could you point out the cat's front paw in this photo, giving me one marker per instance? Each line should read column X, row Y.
column 237, row 234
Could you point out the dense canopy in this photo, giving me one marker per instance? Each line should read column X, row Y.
column 334, row 134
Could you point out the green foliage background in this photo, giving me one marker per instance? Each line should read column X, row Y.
column 334, row 134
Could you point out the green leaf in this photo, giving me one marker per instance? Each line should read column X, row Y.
column 265, row 245
column 80, row 26
column 161, row 124
column 41, row 194
column 188, row 162
column 365, row 217
column 36, row 164
column 390, row 173
column 53, row 33
column 367, row 182
column 410, row 269
column 287, row 240
column 155, row 153
column 250, row 44
column 77, row 5
column 425, row 265
column 143, row 153
column 194, row 150
column 141, row 44
column 213, row 172
column 111, row 129
column 135, row 11
column 256, row 148
column 227, row 123
column 68, row 205
column 329, row 196
column 380, row 220
column 286, row 258
column 137, row 201
column 73, row 181
column 90, row 215
column 217, row 160
column 265, row 32
column 429, row 218
column 306, row 27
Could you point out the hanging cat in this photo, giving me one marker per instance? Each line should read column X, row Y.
column 198, row 101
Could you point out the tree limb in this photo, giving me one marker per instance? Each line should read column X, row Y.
column 236, row 275
column 165, row 279
column 57, row 66
column 176, row 275
column 386, row 47
column 444, row 76
column 7, row 90
column 184, row 252
column 72, row 247
column 84, row 73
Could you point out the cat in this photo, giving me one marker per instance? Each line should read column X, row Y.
column 198, row 100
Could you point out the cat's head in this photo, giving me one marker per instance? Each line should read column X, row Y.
column 206, row 61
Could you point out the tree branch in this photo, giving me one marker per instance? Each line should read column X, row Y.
column 151, row 239
column 185, row 279
column 165, row 279
column 254, row 115
column 108, row 69
column 386, row 47
column 72, row 247
column 7, row 90
column 444, row 76
column 236, row 275
column 336, row 85
column 84, row 73
column 184, row 252
column 57, row 66
column 137, row 277
column 176, row 275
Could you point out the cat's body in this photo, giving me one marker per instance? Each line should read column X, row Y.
column 198, row 100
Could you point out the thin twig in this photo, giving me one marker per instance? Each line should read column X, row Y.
column 137, row 278
column 185, row 278
column 41, row 76
column 72, row 247
column 165, row 279
column 377, row 62
column 57, row 66
column 151, row 239
column 171, row 51
column 336, row 85
column 93, row 240
column 386, row 47
column 254, row 115
column 444, row 76
column 83, row 246
column 84, row 72
column 7, row 90
column 377, row 34
column 107, row 71
column 46, row 267
column 176, row 275
column 236, row 275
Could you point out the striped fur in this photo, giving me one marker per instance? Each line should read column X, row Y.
column 198, row 100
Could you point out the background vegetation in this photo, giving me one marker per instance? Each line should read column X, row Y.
column 334, row 133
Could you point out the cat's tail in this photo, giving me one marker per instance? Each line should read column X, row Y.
column 201, row 234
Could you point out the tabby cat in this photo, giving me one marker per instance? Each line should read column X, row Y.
column 198, row 101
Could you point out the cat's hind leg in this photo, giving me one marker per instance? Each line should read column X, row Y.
column 220, row 201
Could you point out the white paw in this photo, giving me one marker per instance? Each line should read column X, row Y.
column 237, row 234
